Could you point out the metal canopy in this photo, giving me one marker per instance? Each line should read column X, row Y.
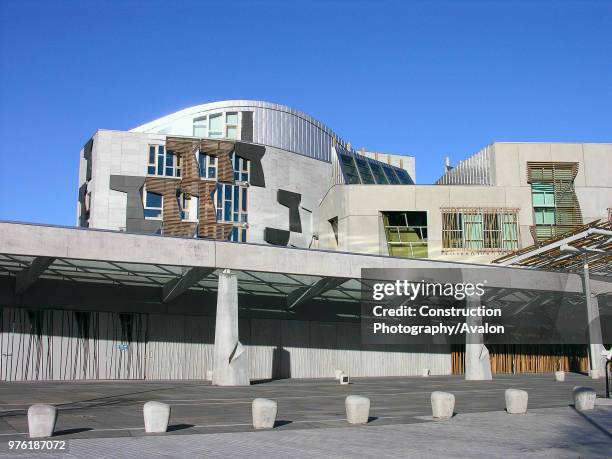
column 593, row 241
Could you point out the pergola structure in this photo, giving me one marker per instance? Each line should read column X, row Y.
column 586, row 250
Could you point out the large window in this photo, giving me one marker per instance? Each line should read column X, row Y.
column 406, row 234
column 153, row 204
column 475, row 230
column 231, row 125
column 231, row 203
column 543, row 197
column 555, row 205
column 241, row 168
column 163, row 162
column 207, row 165
column 217, row 125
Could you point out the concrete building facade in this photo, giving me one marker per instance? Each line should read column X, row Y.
column 257, row 219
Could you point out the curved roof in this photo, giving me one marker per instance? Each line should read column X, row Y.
column 274, row 125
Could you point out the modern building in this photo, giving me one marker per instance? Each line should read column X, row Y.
column 248, row 225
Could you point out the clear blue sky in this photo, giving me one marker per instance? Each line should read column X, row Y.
column 428, row 79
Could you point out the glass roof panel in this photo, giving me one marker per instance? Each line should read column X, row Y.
column 390, row 173
column 364, row 171
column 404, row 176
column 351, row 176
column 378, row 173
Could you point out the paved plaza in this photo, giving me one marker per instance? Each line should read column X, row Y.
column 104, row 419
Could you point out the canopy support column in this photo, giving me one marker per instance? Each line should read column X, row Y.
column 230, row 366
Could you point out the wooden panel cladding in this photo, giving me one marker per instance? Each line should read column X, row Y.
column 208, row 220
column 548, row 171
column 528, row 358
column 191, row 185
column 568, row 215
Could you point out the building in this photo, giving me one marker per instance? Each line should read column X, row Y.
column 263, row 213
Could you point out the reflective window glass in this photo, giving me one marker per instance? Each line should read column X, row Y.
column 349, row 169
column 215, row 125
column 364, row 171
column 378, row 173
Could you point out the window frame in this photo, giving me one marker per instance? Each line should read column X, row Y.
column 162, row 152
column 146, row 207
column 208, row 165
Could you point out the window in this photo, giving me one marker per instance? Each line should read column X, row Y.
column 479, row 230
column 349, row 169
column 238, row 234
column 231, row 203
column 364, row 171
column 404, row 177
column 215, row 125
column 543, row 194
column 241, row 168
column 555, row 205
column 153, row 203
column 231, row 125
column 200, row 127
column 334, row 224
column 188, row 207
column 163, row 162
column 207, row 165
column 406, row 234
column 378, row 174
column 390, row 173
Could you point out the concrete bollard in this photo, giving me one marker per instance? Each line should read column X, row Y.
column 516, row 401
column 156, row 417
column 357, row 409
column 337, row 374
column 209, row 375
column 442, row 405
column 264, row 413
column 41, row 420
column 559, row 376
column 584, row 398
column 425, row 372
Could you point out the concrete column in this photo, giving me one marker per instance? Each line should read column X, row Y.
column 477, row 363
column 230, row 360
column 596, row 360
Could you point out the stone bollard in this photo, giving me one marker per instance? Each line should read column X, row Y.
column 209, row 375
column 584, row 398
column 357, row 409
column 442, row 405
column 559, row 376
column 41, row 420
column 425, row 372
column 516, row 401
column 156, row 417
column 264, row 413
column 338, row 373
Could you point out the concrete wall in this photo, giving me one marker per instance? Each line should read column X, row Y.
column 287, row 171
column 116, row 153
column 57, row 347
column 358, row 207
column 126, row 153
column 593, row 183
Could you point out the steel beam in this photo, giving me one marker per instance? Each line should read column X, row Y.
column 176, row 287
column 29, row 275
column 321, row 286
